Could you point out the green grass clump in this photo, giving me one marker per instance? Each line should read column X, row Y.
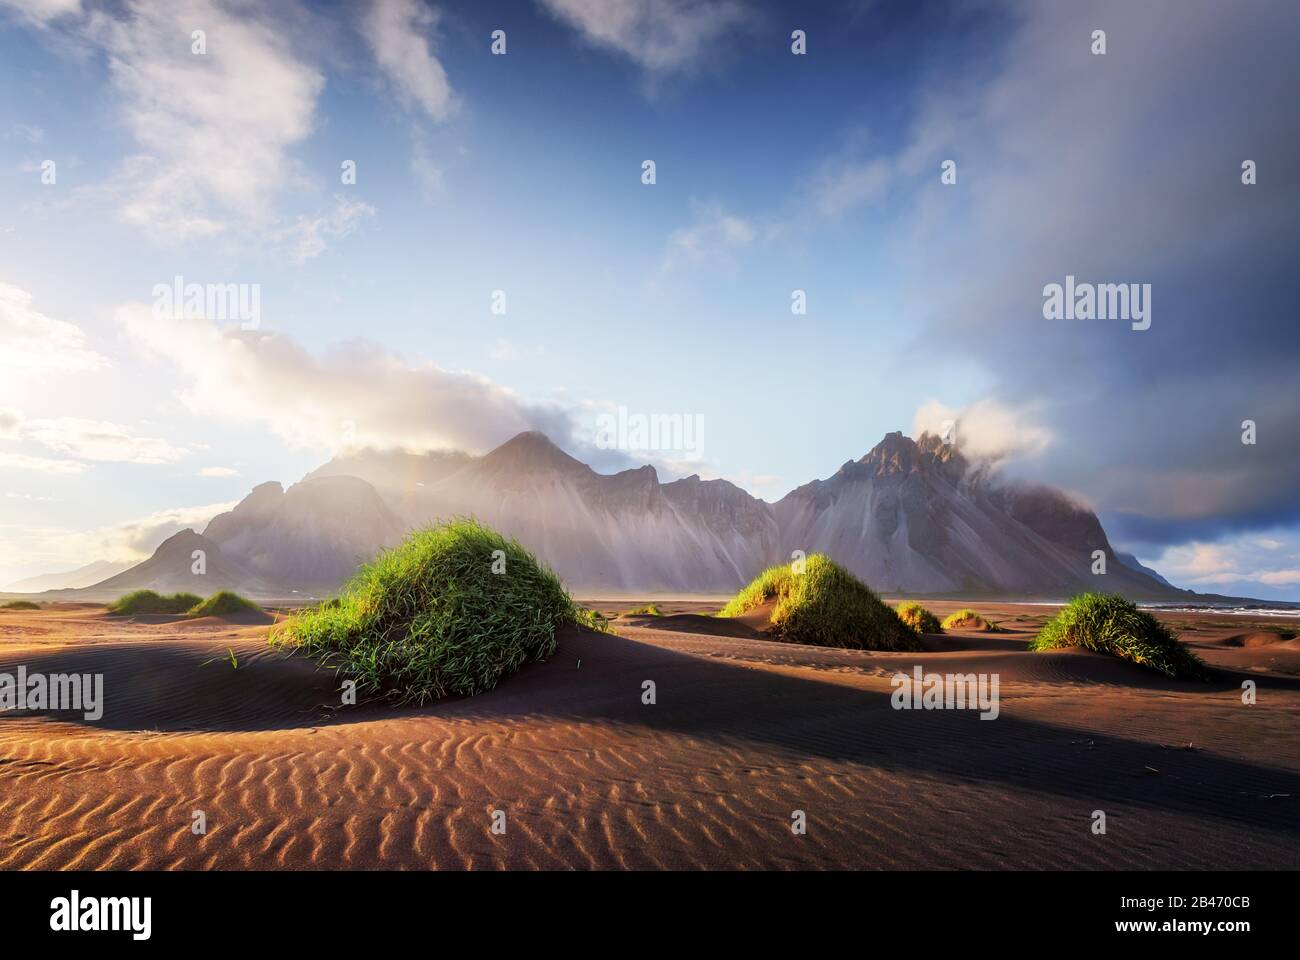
column 430, row 618
column 825, row 606
column 649, row 610
column 967, row 619
column 149, row 602
column 917, row 617
column 223, row 603
column 20, row 605
column 1110, row 624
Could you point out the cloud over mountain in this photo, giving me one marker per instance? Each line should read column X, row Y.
column 1042, row 193
column 354, row 394
column 984, row 430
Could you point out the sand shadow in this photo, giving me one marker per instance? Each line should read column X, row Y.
column 204, row 686
column 697, row 624
column 720, row 701
column 190, row 685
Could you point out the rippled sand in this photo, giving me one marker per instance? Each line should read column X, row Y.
column 744, row 733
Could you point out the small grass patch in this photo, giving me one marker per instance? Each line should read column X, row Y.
column 825, row 605
column 917, row 617
column 430, row 618
column 1110, row 624
column 20, row 605
column 223, row 603
column 148, row 602
column 229, row 658
column 968, row 619
column 649, row 610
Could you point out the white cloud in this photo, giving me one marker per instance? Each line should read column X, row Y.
column 504, row 350
column 21, row 461
column 99, row 440
column 1279, row 578
column 33, row 343
column 214, row 129
column 396, row 31
column 42, row 12
column 1234, row 563
column 766, row 486
column 844, row 186
column 218, row 472
column 27, row 132
column 985, row 430
column 424, row 167
column 355, row 394
column 660, row 35
column 34, row 547
column 310, row 235
column 710, row 239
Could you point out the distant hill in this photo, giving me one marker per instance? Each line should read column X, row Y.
column 1133, row 563
column 91, row 573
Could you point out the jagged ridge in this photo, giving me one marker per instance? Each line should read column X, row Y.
column 907, row 517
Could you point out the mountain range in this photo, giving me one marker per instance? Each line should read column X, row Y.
column 909, row 517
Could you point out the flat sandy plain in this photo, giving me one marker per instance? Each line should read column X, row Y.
column 744, row 732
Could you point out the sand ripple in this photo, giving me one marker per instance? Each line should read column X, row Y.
column 744, row 733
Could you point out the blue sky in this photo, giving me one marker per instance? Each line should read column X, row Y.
column 522, row 173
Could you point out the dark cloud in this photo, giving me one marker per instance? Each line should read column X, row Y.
column 1126, row 168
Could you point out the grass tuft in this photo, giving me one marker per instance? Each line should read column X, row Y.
column 967, row 619
column 1110, row 624
column 430, row 618
column 149, row 602
column 917, row 617
column 825, row 606
column 224, row 603
column 649, row 610
column 20, row 605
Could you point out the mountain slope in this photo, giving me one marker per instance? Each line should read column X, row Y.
column 624, row 531
column 174, row 568
column 1133, row 563
column 309, row 538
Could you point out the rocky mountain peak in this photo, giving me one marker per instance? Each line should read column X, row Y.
column 529, row 451
column 264, row 496
column 897, row 455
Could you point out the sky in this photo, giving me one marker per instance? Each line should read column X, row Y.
column 498, row 262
